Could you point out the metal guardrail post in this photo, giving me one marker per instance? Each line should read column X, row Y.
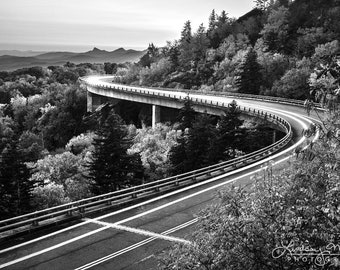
column 194, row 179
column 177, row 182
column 70, row 212
column 35, row 223
column 134, row 194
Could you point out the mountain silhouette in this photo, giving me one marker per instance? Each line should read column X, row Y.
column 11, row 62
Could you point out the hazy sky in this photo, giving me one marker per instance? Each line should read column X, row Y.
column 107, row 24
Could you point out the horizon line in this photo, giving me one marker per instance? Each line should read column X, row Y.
column 22, row 47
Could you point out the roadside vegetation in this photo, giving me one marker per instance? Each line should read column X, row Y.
column 287, row 220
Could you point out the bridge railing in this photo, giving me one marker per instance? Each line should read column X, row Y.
column 80, row 207
column 221, row 93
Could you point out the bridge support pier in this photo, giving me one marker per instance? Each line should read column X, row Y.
column 274, row 136
column 156, row 115
column 93, row 101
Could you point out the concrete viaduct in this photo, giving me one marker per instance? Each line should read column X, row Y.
column 101, row 90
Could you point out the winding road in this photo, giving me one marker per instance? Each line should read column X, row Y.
column 133, row 237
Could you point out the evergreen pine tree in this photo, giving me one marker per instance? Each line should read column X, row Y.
column 178, row 157
column 250, row 78
column 150, row 56
column 199, row 140
column 15, row 186
column 223, row 18
column 200, row 44
column 186, row 34
column 186, row 54
column 229, row 135
column 186, row 115
column 174, row 56
column 112, row 167
column 212, row 21
column 191, row 151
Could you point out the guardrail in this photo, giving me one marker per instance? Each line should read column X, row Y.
column 226, row 94
column 79, row 208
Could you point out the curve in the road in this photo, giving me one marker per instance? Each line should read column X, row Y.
column 171, row 213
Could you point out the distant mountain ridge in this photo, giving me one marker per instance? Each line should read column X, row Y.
column 12, row 62
column 21, row 53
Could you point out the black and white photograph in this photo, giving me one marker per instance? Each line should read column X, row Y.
column 170, row 135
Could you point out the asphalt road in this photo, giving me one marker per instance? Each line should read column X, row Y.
column 133, row 237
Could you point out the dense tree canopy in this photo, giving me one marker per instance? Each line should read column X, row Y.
column 282, row 33
column 42, row 110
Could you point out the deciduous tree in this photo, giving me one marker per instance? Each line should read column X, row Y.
column 275, row 31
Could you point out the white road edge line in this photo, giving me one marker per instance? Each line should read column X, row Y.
column 51, row 248
column 139, row 231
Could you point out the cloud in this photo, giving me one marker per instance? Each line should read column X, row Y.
column 76, row 33
column 127, row 22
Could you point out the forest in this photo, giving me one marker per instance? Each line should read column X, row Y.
column 52, row 151
column 271, row 50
